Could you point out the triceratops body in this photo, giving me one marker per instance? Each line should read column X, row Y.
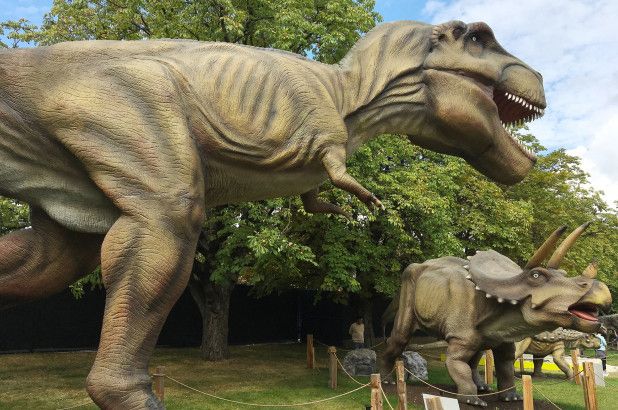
column 489, row 302
column 555, row 343
column 119, row 146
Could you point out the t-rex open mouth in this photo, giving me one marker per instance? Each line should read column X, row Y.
column 514, row 111
column 586, row 311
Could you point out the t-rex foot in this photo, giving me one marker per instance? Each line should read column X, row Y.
column 484, row 388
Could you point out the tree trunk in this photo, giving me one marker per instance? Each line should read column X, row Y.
column 213, row 301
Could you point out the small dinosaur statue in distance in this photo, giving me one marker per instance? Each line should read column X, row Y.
column 555, row 343
column 120, row 146
column 489, row 302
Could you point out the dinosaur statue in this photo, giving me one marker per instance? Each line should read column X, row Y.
column 555, row 343
column 489, row 302
column 119, row 147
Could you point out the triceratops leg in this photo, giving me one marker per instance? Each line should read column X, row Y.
column 334, row 163
column 504, row 355
column 402, row 327
column 537, row 362
column 458, row 356
column 558, row 355
column 44, row 259
column 481, row 386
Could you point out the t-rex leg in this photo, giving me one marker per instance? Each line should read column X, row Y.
column 458, row 355
column 334, row 163
column 481, row 386
column 558, row 356
column 44, row 259
column 402, row 327
column 505, row 373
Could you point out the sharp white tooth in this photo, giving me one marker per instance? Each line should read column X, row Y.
column 468, row 276
column 468, row 257
column 500, row 300
column 477, row 288
column 466, row 266
column 513, row 302
column 488, row 296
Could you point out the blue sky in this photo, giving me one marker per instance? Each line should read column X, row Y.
column 571, row 42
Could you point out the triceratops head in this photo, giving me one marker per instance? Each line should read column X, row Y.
column 546, row 296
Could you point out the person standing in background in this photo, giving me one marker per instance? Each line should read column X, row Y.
column 357, row 331
column 601, row 352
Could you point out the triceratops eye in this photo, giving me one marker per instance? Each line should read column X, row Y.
column 474, row 38
column 535, row 275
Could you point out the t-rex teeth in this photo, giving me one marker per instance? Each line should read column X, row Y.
column 468, row 276
column 500, row 300
column 488, row 296
column 477, row 288
column 513, row 302
column 466, row 266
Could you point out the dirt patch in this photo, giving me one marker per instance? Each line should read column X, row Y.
column 415, row 395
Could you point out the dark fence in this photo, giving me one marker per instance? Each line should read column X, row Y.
column 63, row 323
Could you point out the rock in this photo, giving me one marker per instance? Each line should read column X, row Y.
column 360, row 362
column 415, row 363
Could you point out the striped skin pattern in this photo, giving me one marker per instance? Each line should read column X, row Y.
column 119, row 147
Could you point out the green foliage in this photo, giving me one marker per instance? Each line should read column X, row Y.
column 19, row 31
column 13, row 215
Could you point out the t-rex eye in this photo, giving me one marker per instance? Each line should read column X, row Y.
column 535, row 275
column 474, row 38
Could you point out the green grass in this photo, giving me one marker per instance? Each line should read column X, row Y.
column 270, row 374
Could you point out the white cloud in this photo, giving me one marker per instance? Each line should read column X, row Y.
column 574, row 45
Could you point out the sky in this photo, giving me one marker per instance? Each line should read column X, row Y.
column 571, row 42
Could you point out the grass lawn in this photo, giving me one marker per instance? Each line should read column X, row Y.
column 269, row 374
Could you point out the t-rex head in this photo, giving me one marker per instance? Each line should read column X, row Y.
column 546, row 296
column 452, row 88
column 476, row 91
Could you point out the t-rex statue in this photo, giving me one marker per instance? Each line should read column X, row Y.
column 489, row 302
column 120, row 146
column 555, row 343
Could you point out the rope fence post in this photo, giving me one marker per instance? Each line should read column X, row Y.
column 489, row 367
column 527, row 387
column 402, row 394
column 158, row 381
column 522, row 364
column 376, row 393
column 590, row 391
column 310, row 352
column 575, row 360
column 332, row 354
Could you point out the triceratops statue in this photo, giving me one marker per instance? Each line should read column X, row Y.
column 489, row 302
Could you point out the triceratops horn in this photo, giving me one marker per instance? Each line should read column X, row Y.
column 591, row 270
column 545, row 249
column 558, row 256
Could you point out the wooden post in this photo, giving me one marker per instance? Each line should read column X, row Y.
column 575, row 360
column 310, row 353
column 522, row 365
column 527, row 386
column 434, row 403
column 376, row 394
column 489, row 367
column 590, row 390
column 402, row 394
column 158, row 380
column 332, row 354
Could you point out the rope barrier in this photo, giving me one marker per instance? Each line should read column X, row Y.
column 266, row 405
column 568, row 379
column 385, row 398
column 345, row 371
column 546, row 398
